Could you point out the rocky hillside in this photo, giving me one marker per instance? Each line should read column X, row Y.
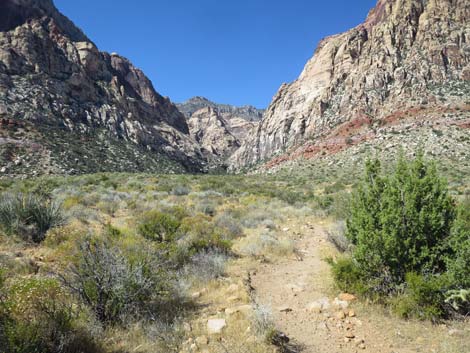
column 66, row 107
column 404, row 74
column 219, row 128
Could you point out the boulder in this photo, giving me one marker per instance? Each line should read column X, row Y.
column 216, row 326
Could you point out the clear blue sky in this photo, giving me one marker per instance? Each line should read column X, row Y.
column 230, row 51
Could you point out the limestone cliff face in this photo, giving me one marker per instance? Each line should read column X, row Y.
column 51, row 74
column 408, row 55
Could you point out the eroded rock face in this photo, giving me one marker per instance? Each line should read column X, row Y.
column 409, row 55
column 51, row 74
column 219, row 128
column 213, row 133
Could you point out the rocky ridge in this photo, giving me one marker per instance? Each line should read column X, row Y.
column 247, row 112
column 406, row 67
column 55, row 81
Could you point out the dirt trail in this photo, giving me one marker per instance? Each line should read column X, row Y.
column 290, row 286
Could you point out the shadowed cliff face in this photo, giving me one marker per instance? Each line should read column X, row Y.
column 52, row 74
column 15, row 13
column 397, row 60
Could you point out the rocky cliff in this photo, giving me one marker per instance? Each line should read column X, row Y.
column 219, row 128
column 407, row 67
column 57, row 88
column 213, row 133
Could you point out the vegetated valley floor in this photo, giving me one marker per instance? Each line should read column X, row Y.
column 274, row 276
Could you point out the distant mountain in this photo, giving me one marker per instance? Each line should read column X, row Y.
column 247, row 112
column 219, row 128
column 69, row 108
column 400, row 79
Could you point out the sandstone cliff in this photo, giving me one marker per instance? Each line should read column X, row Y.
column 213, row 133
column 54, row 81
column 408, row 63
column 219, row 128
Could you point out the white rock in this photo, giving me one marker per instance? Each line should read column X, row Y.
column 315, row 307
column 215, row 326
column 340, row 304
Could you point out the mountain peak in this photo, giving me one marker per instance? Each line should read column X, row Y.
column 14, row 13
column 246, row 112
column 54, row 80
column 408, row 60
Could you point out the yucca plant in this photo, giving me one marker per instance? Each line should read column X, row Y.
column 29, row 215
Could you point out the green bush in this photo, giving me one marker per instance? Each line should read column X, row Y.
column 36, row 315
column 458, row 261
column 158, row 226
column 347, row 275
column 423, row 298
column 201, row 234
column 401, row 223
column 409, row 248
column 29, row 216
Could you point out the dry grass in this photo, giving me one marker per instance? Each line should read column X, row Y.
column 253, row 220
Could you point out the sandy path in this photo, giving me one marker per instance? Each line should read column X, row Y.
column 290, row 285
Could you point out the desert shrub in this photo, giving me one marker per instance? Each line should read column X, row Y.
column 229, row 225
column 36, row 315
column 201, row 234
column 112, row 286
column 407, row 249
column 399, row 223
column 64, row 236
column 325, row 202
column 340, row 205
column 290, row 196
column 83, row 214
column 29, row 216
column 336, row 235
column 165, row 336
column 207, row 264
column 207, row 207
column 110, row 202
column 257, row 215
column 158, row 226
column 347, row 275
column 11, row 265
column 264, row 245
column 181, row 190
column 112, row 232
column 423, row 297
column 263, row 322
column 458, row 261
